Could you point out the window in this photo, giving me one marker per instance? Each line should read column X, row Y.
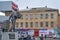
column 31, row 24
column 16, row 24
column 41, row 16
column 52, row 24
column 36, row 16
column 46, row 16
column 21, row 24
column 52, row 15
column 26, row 24
column 36, row 24
column 31, row 16
column 26, row 16
column 46, row 24
column 11, row 36
column 41, row 24
column 22, row 17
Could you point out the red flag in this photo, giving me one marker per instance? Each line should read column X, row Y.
column 14, row 6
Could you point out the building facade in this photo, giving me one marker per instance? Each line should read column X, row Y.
column 59, row 19
column 37, row 18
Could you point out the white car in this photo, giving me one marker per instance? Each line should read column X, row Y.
column 56, row 36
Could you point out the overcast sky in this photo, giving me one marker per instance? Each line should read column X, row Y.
column 36, row 3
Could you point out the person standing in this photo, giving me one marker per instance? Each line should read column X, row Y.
column 41, row 38
column 45, row 37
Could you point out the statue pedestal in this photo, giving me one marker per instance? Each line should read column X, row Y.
column 9, row 36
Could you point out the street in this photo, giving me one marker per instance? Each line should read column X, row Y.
column 51, row 39
column 43, row 39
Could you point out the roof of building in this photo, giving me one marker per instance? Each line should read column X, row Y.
column 38, row 8
column 7, row 6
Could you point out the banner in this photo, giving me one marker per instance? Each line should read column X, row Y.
column 31, row 32
column 43, row 32
column 36, row 32
column 22, row 34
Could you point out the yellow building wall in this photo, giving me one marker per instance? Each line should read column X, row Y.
column 24, row 13
column 59, row 19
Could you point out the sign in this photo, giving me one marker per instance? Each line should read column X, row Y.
column 36, row 33
column 24, row 29
column 31, row 32
column 22, row 34
column 51, row 30
column 43, row 32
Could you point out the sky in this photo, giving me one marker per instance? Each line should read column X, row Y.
column 36, row 3
column 1, row 13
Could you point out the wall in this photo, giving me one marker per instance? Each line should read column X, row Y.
column 34, row 12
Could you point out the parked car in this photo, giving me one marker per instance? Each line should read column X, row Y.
column 56, row 36
column 49, row 35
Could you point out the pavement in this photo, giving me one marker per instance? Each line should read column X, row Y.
column 43, row 39
column 51, row 39
column 47, row 39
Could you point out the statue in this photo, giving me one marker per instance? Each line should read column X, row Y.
column 13, row 18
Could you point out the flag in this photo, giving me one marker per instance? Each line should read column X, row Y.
column 14, row 6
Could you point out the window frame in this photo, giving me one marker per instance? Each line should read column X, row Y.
column 21, row 24
column 26, row 16
column 36, row 24
column 41, row 16
column 31, row 16
column 46, row 16
column 46, row 24
column 52, row 24
column 26, row 24
column 52, row 15
column 31, row 24
column 41, row 24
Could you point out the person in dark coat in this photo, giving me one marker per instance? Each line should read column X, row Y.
column 45, row 37
column 41, row 38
